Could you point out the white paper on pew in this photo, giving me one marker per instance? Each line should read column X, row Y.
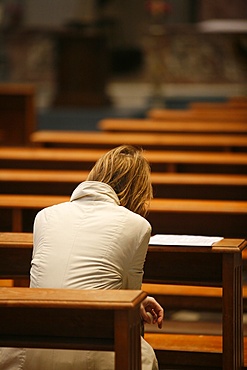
column 184, row 240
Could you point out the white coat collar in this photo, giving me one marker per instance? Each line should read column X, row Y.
column 97, row 190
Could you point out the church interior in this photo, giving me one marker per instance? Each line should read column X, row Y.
column 173, row 74
column 131, row 56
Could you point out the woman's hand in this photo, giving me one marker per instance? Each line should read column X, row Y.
column 151, row 306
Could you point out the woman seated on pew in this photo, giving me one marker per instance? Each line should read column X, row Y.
column 98, row 240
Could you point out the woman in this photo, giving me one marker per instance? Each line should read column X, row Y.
column 98, row 240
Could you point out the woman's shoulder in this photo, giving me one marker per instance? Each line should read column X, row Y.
column 136, row 219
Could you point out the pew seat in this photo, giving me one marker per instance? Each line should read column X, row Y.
column 193, row 352
column 190, row 297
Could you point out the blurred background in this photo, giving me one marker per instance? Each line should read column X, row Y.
column 126, row 55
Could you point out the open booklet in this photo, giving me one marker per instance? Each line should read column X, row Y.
column 184, row 240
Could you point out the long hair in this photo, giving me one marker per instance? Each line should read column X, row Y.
column 127, row 171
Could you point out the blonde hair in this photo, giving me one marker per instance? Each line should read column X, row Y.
column 128, row 173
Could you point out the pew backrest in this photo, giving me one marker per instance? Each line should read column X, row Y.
column 165, row 185
column 160, row 161
column 193, row 115
column 152, row 141
column 193, row 216
column 151, row 126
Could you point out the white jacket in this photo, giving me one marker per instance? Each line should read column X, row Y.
column 90, row 242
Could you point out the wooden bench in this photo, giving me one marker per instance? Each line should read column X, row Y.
column 15, row 262
column 234, row 102
column 18, row 117
column 184, row 297
column 173, row 216
column 203, row 217
column 32, row 181
column 160, row 161
column 151, row 126
column 191, row 351
column 151, row 141
column 193, row 115
column 190, row 266
column 165, row 185
column 180, row 265
column 235, row 105
column 105, row 320
column 239, row 101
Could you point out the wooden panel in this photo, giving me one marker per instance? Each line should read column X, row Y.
column 17, row 113
column 87, row 53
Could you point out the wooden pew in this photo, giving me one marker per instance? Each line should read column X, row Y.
column 193, row 115
column 165, row 185
column 15, row 261
column 203, row 217
column 151, row 126
column 180, row 265
column 199, row 186
column 47, row 158
column 47, row 182
column 105, row 320
column 234, row 102
column 240, row 101
column 17, row 113
column 230, row 105
column 190, row 266
column 151, row 141
column 173, row 216
column 160, row 161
